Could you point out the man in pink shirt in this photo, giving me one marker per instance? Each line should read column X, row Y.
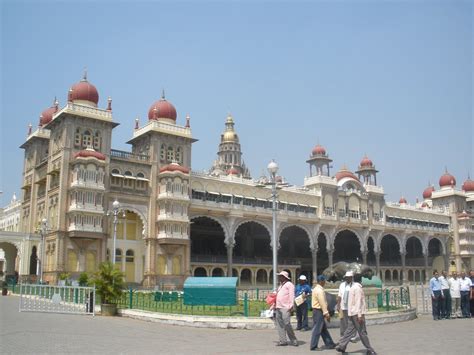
column 284, row 303
column 356, row 310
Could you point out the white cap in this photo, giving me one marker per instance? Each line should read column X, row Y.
column 302, row 277
column 349, row 274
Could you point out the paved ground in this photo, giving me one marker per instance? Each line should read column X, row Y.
column 40, row 333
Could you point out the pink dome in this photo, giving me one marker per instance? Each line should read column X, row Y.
column 402, row 200
column 344, row 173
column 428, row 192
column 232, row 171
column 447, row 180
column 468, row 185
column 162, row 109
column 89, row 153
column 366, row 162
column 174, row 167
column 84, row 91
column 47, row 115
column 318, row 150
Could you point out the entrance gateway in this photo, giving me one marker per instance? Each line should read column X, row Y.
column 57, row 299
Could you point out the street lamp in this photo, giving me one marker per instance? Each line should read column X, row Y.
column 273, row 169
column 115, row 212
column 43, row 229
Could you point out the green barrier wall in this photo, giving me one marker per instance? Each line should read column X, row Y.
column 215, row 291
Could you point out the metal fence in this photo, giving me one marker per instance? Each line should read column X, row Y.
column 250, row 303
column 56, row 299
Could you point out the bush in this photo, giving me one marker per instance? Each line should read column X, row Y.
column 109, row 282
column 83, row 279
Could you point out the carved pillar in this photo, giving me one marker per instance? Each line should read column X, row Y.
column 330, row 254
column 230, row 251
column 377, row 262
column 402, row 274
column 446, row 262
column 364, row 257
column 314, row 253
column 427, row 273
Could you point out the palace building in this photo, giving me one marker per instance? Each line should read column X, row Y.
column 175, row 222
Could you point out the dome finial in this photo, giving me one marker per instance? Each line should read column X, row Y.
column 137, row 123
column 163, row 94
column 69, row 95
column 188, row 118
column 30, row 126
column 84, row 76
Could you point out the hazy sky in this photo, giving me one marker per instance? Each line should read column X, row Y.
column 390, row 79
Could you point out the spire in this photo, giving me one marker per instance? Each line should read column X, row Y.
column 69, row 95
column 84, row 76
column 187, row 121
column 163, row 94
column 109, row 104
column 137, row 121
column 30, row 126
column 56, row 103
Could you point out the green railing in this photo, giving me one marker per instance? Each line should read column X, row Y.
column 394, row 298
column 173, row 302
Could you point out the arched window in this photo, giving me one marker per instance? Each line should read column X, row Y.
column 118, row 255
column 163, row 152
column 97, row 140
column 86, row 139
column 141, row 175
column 77, row 138
column 33, row 261
column 129, row 256
column 179, row 155
column 170, row 154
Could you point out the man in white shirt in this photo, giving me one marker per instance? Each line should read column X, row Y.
column 465, row 293
column 356, row 310
column 446, row 300
column 455, row 293
column 342, row 299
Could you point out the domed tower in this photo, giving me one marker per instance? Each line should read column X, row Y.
column 319, row 160
column 229, row 156
column 84, row 93
column 367, row 172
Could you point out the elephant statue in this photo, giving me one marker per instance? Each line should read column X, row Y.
column 336, row 272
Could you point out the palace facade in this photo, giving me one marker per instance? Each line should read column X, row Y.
column 176, row 222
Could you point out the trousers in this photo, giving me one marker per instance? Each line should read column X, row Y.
column 465, row 303
column 435, row 304
column 283, row 325
column 319, row 330
column 446, row 304
column 353, row 328
column 302, row 316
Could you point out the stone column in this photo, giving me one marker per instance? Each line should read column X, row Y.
column 446, row 262
column 427, row 274
column 330, row 254
column 377, row 263
column 314, row 254
column 403, row 272
column 364, row 257
column 230, row 251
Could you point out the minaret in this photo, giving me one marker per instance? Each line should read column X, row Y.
column 230, row 154
column 367, row 171
column 320, row 161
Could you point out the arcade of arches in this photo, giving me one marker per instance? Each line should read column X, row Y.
column 249, row 257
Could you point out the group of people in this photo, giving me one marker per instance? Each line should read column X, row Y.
column 351, row 307
column 452, row 297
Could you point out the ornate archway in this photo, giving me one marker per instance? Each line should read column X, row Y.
column 347, row 247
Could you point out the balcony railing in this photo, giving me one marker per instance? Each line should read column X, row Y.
column 120, row 154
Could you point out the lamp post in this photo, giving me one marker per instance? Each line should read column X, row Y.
column 273, row 169
column 115, row 212
column 43, row 229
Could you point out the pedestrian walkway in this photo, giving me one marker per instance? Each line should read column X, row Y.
column 43, row 333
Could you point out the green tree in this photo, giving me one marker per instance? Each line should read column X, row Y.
column 109, row 282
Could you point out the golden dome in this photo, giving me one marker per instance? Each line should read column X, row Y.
column 230, row 136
